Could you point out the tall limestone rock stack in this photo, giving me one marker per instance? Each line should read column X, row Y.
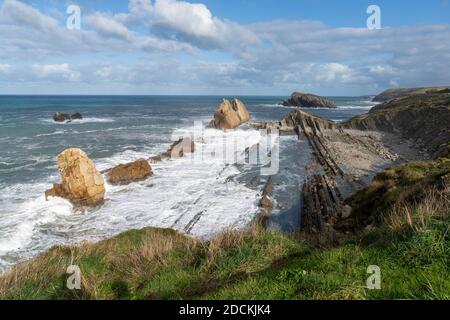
column 82, row 184
column 230, row 115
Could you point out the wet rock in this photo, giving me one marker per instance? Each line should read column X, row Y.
column 266, row 199
column 63, row 117
column 230, row 115
column 180, row 148
column 82, row 184
column 155, row 159
column 307, row 100
column 126, row 173
column 76, row 116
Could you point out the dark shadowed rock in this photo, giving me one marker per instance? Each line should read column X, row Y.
column 307, row 100
column 76, row 116
column 61, row 117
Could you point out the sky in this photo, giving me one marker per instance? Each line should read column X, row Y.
column 222, row 47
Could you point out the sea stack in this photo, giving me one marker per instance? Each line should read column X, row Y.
column 180, row 148
column 230, row 115
column 82, row 183
column 307, row 100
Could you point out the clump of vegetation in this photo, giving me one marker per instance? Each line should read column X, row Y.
column 399, row 187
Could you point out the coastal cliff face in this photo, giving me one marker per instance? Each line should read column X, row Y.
column 403, row 92
column 307, row 100
column 422, row 119
column 343, row 161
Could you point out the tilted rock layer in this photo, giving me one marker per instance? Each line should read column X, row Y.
column 127, row 173
column 82, row 183
column 230, row 115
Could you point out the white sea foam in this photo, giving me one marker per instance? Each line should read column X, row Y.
column 82, row 121
column 189, row 195
column 356, row 107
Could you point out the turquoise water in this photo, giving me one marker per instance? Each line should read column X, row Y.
column 118, row 129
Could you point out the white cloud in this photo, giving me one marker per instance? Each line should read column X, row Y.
column 55, row 72
column 189, row 18
column 167, row 44
column 107, row 25
column 4, row 68
column 195, row 22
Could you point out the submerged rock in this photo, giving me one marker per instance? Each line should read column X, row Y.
column 63, row 117
column 230, row 115
column 82, row 183
column 127, row 173
column 307, row 100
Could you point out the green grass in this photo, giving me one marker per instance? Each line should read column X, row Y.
column 407, row 183
column 259, row 264
column 410, row 242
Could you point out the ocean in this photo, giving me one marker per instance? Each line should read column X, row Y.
column 197, row 196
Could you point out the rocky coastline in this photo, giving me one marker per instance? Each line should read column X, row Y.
column 350, row 154
column 308, row 100
column 347, row 156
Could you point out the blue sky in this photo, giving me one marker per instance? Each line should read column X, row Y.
column 263, row 47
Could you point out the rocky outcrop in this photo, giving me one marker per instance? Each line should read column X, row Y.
column 230, row 115
column 423, row 119
column 63, row 117
column 82, row 184
column 404, row 92
column 179, row 149
column 265, row 204
column 126, row 173
column 307, row 100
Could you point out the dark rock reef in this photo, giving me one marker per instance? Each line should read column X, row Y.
column 63, row 117
column 307, row 100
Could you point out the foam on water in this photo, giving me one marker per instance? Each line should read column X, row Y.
column 81, row 121
column 196, row 196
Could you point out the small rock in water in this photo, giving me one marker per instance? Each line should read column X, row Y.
column 180, row 148
column 63, row 117
column 127, row 173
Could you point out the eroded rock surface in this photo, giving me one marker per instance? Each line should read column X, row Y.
column 130, row 172
column 180, row 148
column 82, row 183
column 230, row 115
